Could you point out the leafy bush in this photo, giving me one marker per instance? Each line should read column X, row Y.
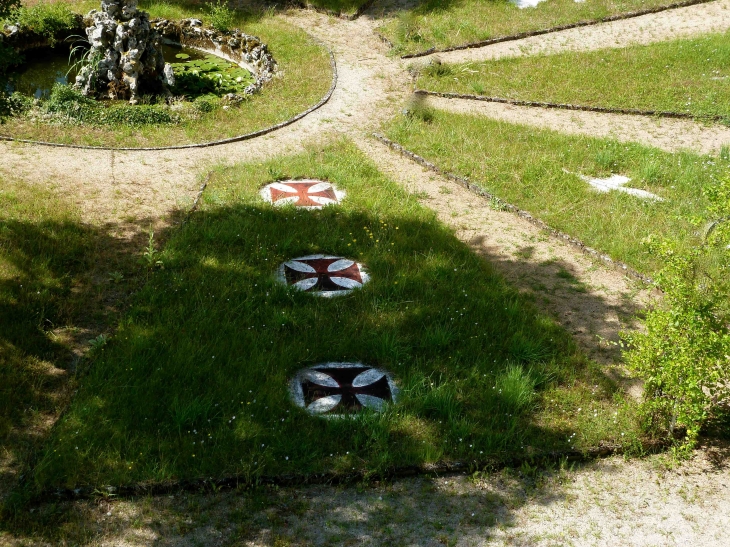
column 206, row 103
column 18, row 104
column 221, row 16
column 7, row 6
column 70, row 104
column 136, row 115
column 684, row 355
column 45, row 19
column 8, row 57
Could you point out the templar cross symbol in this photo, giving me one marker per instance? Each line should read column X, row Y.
column 302, row 193
column 323, row 274
column 340, row 388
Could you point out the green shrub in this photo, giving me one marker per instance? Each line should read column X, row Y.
column 206, row 103
column 684, row 354
column 18, row 104
column 136, row 115
column 7, row 7
column 45, row 19
column 221, row 16
column 72, row 106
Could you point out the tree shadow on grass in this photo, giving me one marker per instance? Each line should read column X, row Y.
column 195, row 383
column 62, row 283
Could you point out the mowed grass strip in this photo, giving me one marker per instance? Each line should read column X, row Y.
column 527, row 168
column 687, row 76
column 442, row 24
column 305, row 75
column 195, row 381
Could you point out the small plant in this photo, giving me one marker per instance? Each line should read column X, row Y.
column 150, row 256
column 98, row 343
column 116, row 277
column 221, row 16
column 436, row 69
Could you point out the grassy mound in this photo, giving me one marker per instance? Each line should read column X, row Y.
column 195, row 381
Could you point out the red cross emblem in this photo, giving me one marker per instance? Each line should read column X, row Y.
column 336, row 389
column 323, row 275
column 311, row 194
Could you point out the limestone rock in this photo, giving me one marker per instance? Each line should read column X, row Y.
column 126, row 54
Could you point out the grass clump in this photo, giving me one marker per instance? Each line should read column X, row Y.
column 439, row 24
column 684, row 352
column 220, row 16
column 194, row 383
column 69, row 106
column 688, row 76
column 537, row 170
column 45, row 19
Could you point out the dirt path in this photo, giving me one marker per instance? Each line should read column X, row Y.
column 606, row 503
column 668, row 134
column 590, row 301
column 657, row 27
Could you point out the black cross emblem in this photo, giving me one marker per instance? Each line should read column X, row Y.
column 343, row 389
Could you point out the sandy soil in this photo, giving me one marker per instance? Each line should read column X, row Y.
column 631, row 503
column 668, row 134
column 601, row 504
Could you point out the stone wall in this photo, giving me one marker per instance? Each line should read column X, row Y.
column 235, row 46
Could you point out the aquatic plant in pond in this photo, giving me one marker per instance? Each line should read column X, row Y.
column 197, row 75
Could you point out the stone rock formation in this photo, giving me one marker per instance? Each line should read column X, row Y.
column 125, row 59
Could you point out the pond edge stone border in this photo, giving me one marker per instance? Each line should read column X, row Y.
column 504, row 206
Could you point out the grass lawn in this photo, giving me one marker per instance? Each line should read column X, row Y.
column 441, row 24
column 691, row 76
column 179, row 9
column 306, row 77
column 525, row 166
column 49, row 296
column 195, row 381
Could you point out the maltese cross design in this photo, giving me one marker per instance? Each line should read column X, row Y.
column 308, row 194
column 323, row 275
column 338, row 389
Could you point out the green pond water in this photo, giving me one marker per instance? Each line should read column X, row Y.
column 197, row 73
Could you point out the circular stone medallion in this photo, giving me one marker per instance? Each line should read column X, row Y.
column 335, row 390
column 323, row 275
column 307, row 194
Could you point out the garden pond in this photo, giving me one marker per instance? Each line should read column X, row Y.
column 196, row 72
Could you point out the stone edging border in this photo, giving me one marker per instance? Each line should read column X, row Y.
column 247, row 136
column 564, row 106
column 607, row 260
column 236, row 481
column 528, row 34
